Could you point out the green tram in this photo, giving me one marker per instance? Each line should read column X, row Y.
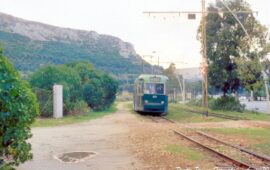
column 150, row 94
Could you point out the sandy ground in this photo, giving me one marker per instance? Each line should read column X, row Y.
column 105, row 136
column 122, row 141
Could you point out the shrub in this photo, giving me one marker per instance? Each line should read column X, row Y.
column 79, row 107
column 110, row 87
column 92, row 94
column 18, row 109
column 99, row 88
column 45, row 98
column 228, row 103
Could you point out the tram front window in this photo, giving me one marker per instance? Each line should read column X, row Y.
column 153, row 88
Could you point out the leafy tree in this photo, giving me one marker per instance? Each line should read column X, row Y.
column 170, row 70
column 227, row 42
column 173, row 81
column 18, row 109
column 250, row 74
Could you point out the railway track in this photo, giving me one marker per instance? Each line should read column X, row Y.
column 160, row 119
column 260, row 156
column 246, row 159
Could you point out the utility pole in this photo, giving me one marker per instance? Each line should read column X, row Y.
column 142, row 66
column 184, row 91
column 151, row 62
column 204, row 64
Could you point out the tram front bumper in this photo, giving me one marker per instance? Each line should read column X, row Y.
column 154, row 107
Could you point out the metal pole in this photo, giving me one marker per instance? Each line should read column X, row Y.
column 152, row 64
column 158, row 61
column 142, row 67
column 184, row 91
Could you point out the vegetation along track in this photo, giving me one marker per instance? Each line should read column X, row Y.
column 217, row 115
column 233, row 155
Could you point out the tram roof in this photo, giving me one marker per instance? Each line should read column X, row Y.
column 153, row 78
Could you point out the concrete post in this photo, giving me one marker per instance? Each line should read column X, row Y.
column 251, row 96
column 266, row 91
column 174, row 94
column 57, row 101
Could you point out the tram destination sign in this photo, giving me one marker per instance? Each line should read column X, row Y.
column 155, row 79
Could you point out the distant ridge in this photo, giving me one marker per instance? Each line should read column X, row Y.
column 31, row 45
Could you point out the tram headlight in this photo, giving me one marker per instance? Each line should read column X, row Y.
column 162, row 102
column 146, row 101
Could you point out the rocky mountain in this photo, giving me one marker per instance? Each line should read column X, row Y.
column 31, row 45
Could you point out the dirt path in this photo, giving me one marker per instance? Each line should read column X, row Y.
column 105, row 136
column 124, row 141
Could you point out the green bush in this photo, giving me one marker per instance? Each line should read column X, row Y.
column 79, row 107
column 98, row 88
column 81, row 82
column 45, row 98
column 228, row 103
column 110, row 87
column 92, row 94
column 18, row 109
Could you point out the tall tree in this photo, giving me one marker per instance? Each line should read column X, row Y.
column 170, row 73
column 229, row 48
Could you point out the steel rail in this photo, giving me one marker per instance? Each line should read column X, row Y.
column 159, row 117
column 152, row 118
column 263, row 157
column 228, row 158
column 169, row 120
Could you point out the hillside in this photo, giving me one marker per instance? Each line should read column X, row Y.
column 31, row 45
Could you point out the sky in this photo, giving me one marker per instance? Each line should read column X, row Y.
column 171, row 38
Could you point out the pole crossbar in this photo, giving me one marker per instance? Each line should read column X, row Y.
column 196, row 12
